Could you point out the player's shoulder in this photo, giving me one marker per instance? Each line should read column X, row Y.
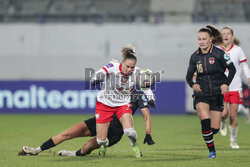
column 113, row 64
column 237, row 48
column 218, row 52
column 218, row 49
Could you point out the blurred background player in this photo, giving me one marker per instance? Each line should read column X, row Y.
column 211, row 84
column 234, row 97
column 88, row 128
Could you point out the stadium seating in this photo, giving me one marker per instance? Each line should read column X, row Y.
column 152, row 11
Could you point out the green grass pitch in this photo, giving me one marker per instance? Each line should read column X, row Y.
column 178, row 144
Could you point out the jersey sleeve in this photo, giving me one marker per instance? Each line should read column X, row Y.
column 243, row 63
column 242, row 56
column 142, row 102
column 102, row 73
column 227, row 63
column 190, row 72
column 149, row 93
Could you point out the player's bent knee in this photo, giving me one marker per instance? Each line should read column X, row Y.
column 130, row 132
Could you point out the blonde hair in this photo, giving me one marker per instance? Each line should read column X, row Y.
column 128, row 52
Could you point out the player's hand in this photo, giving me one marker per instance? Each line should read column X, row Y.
column 152, row 103
column 224, row 89
column 148, row 139
column 196, row 88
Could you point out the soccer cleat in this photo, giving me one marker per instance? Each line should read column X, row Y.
column 30, row 150
column 102, row 151
column 212, row 155
column 137, row 151
column 223, row 128
column 234, row 145
column 67, row 153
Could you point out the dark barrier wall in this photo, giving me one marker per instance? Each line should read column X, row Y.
column 71, row 97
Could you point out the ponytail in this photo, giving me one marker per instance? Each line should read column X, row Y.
column 217, row 37
column 214, row 33
column 128, row 52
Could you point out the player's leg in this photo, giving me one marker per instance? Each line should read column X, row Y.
column 215, row 121
column 127, row 123
column 78, row 130
column 85, row 150
column 101, row 137
column 247, row 114
column 233, row 127
column 103, row 116
column 207, row 132
column 223, row 124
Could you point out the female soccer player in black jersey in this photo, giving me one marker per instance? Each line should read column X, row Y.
column 210, row 63
column 88, row 128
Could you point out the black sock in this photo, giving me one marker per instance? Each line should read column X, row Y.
column 215, row 131
column 48, row 144
column 78, row 153
column 207, row 134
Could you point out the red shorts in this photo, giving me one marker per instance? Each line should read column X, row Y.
column 235, row 97
column 104, row 113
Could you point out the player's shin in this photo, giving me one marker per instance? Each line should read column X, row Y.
column 233, row 136
column 132, row 135
column 47, row 145
column 207, row 134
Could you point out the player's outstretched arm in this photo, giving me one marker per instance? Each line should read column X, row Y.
column 150, row 96
column 146, row 115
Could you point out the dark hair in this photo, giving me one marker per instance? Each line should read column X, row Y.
column 236, row 41
column 128, row 52
column 214, row 33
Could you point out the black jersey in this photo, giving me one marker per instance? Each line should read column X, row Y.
column 138, row 100
column 115, row 131
column 210, row 68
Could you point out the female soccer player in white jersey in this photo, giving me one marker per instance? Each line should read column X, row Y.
column 118, row 80
column 234, row 97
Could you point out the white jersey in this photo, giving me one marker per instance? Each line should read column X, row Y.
column 117, row 87
column 238, row 57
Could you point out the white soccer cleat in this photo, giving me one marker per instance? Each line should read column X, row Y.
column 234, row 145
column 223, row 128
column 67, row 153
column 31, row 150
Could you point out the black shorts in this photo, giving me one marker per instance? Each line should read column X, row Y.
column 215, row 103
column 115, row 131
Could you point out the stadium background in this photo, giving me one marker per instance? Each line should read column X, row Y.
column 47, row 44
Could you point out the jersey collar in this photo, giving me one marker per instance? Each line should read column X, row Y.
column 228, row 49
column 210, row 51
column 120, row 68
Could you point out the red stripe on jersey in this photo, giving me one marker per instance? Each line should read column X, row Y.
column 209, row 145
column 207, row 131
column 211, row 48
column 243, row 60
column 120, row 68
column 105, row 70
column 228, row 49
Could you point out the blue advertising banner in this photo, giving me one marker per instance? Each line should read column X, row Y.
column 72, row 97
